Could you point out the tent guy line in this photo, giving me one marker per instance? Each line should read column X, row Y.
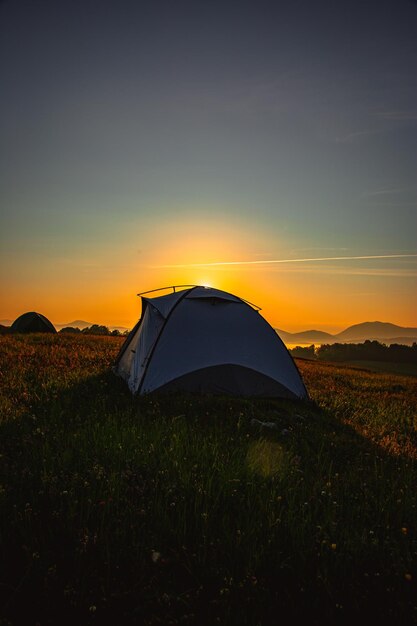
column 274, row 261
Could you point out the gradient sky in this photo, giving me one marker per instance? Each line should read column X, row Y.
column 143, row 140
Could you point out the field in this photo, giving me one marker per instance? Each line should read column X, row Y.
column 181, row 510
column 403, row 369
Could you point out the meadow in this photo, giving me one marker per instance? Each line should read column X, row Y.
column 185, row 510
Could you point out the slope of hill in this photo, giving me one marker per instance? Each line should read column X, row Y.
column 379, row 331
column 371, row 330
column 75, row 324
column 306, row 336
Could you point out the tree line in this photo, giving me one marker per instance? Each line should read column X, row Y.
column 367, row 351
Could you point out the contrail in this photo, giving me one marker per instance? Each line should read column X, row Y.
column 274, row 261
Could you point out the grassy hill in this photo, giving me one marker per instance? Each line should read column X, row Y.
column 181, row 510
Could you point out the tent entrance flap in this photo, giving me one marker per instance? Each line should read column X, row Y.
column 133, row 362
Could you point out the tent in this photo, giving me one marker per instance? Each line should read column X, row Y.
column 206, row 340
column 32, row 323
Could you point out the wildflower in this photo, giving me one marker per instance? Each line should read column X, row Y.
column 155, row 556
column 93, row 608
column 407, row 576
column 404, row 530
column 333, row 546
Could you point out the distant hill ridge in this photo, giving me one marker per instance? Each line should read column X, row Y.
column 75, row 324
column 379, row 331
column 83, row 324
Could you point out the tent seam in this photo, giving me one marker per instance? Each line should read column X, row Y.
column 151, row 353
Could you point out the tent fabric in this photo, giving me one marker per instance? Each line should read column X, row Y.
column 132, row 364
column 210, row 341
column 228, row 380
column 32, row 322
column 208, row 293
column 164, row 304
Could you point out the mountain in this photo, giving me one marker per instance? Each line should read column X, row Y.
column 383, row 332
column 75, row 324
column 306, row 336
column 375, row 330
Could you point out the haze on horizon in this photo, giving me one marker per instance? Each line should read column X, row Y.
column 264, row 148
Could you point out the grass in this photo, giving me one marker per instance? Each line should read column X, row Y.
column 177, row 510
column 402, row 369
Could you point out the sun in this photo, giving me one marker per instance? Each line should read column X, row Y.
column 204, row 282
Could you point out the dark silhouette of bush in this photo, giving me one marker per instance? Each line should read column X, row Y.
column 96, row 329
column 70, row 329
column 304, row 352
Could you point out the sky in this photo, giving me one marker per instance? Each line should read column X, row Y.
column 264, row 148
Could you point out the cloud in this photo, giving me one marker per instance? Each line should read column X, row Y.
column 398, row 115
column 321, row 248
column 278, row 261
column 383, row 192
column 351, row 137
column 343, row 271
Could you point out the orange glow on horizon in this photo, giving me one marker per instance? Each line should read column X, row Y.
column 102, row 287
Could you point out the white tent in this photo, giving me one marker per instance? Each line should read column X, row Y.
column 206, row 340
